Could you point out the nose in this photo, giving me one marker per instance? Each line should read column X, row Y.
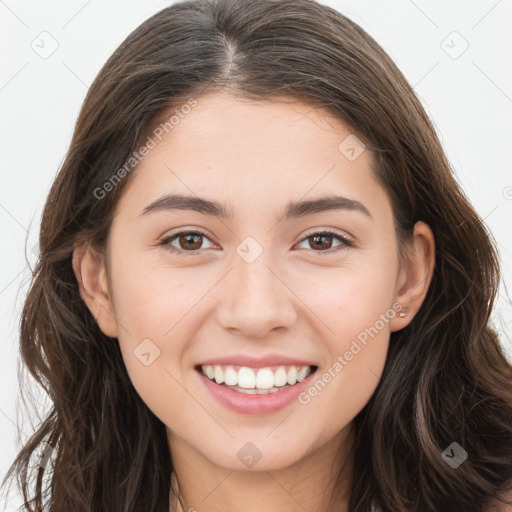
column 255, row 298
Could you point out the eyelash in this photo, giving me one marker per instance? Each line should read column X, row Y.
column 346, row 243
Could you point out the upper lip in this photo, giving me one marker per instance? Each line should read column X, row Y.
column 257, row 362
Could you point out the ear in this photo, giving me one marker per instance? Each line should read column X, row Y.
column 90, row 273
column 415, row 275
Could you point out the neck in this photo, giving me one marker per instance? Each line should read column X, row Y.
column 310, row 484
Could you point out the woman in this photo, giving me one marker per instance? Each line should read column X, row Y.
column 322, row 343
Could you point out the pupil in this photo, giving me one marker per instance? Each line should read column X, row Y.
column 321, row 236
column 189, row 240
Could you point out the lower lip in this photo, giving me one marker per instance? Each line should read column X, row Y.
column 255, row 404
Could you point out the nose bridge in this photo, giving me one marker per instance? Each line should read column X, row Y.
column 256, row 281
column 256, row 300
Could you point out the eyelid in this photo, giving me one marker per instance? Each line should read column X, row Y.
column 332, row 231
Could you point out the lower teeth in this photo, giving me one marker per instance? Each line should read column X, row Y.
column 255, row 391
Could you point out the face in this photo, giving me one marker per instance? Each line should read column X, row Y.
column 255, row 288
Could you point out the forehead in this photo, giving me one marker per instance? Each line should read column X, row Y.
column 248, row 152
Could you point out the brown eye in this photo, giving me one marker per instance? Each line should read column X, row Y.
column 191, row 242
column 321, row 242
column 188, row 241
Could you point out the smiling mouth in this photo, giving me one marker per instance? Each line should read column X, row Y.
column 256, row 381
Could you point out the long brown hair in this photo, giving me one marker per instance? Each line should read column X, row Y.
column 446, row 377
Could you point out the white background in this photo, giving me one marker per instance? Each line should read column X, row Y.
column 469, row 99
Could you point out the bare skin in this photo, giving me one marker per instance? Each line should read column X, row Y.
column 291, row 300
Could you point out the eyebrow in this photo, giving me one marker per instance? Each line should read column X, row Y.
column 292, row 210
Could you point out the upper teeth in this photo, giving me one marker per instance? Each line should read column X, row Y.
column 260, row 378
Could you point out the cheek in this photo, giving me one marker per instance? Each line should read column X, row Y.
column 355, row 309
column 152, row 311
column 351, row 297
column 151, row 299
column 151, row 308
column 359, row 335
